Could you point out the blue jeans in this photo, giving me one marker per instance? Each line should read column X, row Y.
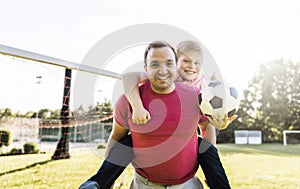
column 122, row 154
column 209, row 160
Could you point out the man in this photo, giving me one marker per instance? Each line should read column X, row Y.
column 165, row 149
column 165, row 153
column 168, row 141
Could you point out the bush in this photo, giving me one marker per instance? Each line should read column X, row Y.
column 30, row 148
column 5, row 137
column 15, row 151
column 101, row 146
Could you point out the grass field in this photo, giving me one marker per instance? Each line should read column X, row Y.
column 267, row 166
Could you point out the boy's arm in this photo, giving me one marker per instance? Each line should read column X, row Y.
column 130, row 82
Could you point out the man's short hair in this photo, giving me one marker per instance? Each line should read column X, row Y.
column 158, row 44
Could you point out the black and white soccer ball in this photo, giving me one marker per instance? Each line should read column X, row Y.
column 219, row 98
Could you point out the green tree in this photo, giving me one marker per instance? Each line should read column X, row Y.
column 105, row 108
column 44, row 113
column 271, row 102
column 6, row 113
column 29, row 114
column 55, row 114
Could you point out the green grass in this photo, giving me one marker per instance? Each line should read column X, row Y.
column 262, row 166
column 265, row 166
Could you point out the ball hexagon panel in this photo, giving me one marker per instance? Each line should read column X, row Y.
column 216, row 102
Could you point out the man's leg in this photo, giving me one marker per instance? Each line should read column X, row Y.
column 192, row 183
column 112, row 167
column 210, row 162
column 139, row 182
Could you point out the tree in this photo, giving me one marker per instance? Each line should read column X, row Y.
column 105, row 108
column 55, row 114
column 271, row 102
column 6, row 113
column 44, row 113
column 29, row 114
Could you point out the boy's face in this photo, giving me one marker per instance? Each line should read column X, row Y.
column 189, row 65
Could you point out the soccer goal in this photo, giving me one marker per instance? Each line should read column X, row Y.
column 291, row 137
column 78, row 126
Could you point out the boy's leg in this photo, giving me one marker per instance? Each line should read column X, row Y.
column 112, row 167
column 210, row 162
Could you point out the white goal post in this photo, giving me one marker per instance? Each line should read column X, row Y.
column 286, row 132
column 19, row 53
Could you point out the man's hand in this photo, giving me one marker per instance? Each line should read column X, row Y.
column 140, row 116
column 221, row 123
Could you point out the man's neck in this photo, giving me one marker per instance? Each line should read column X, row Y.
column 166, row 91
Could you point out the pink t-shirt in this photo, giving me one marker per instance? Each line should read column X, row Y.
column 166, row 147
column 200, row 82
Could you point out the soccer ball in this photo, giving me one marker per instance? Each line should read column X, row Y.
column 219, row 98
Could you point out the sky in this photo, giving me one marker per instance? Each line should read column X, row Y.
column 240, row 35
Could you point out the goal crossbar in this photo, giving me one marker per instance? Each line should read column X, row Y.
column 19, row 53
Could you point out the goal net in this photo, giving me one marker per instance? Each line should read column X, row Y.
column 31, row 82
column 291, row 137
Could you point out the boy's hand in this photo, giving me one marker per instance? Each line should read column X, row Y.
column 220, row 123
column 140, row 116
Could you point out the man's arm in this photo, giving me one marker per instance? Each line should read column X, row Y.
column 130, row 82
column 117, row 133
column 222, row 123
column 208, row 128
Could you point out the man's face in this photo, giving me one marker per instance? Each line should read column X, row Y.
column 189, row 65
column 161, row 69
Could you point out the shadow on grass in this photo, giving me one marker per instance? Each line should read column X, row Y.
column 27, row 167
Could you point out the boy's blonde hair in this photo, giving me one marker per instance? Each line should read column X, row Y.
column 188, row 46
